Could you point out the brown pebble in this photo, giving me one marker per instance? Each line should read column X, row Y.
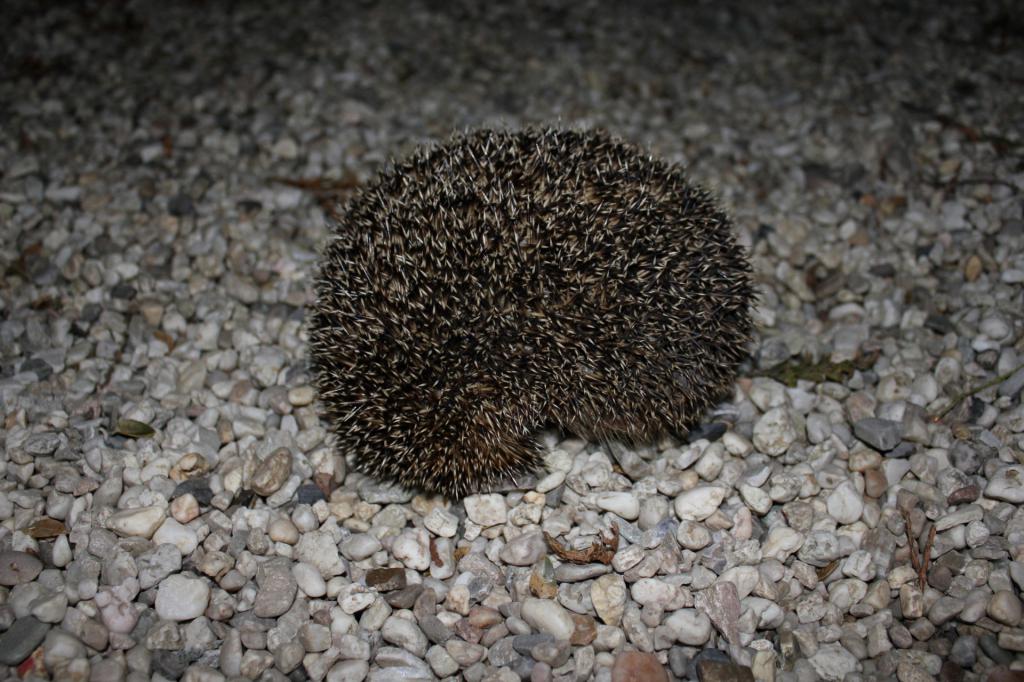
column 386, row 579
column 972, row 268
column 636, row 666
column 1002, row 674
column 963, row 495
column 875, row 483
column 585, row 631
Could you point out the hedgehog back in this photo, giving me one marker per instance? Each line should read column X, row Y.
column 506, row 280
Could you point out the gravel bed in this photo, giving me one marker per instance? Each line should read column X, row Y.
column 171, row 507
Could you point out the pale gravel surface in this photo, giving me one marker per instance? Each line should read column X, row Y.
column 153, row 269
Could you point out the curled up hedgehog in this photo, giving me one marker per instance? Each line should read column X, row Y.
column 505, row 281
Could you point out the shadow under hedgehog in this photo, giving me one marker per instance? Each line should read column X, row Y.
column 507, row 280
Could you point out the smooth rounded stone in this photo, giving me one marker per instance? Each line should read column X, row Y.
column 360, row 546
column 276, row 588
column 412, row 548
column 548, row 616
column 637, row 666
column 774, row 432
column 654, row 592
column 272, row 472
column 845, row 503
column 17, row 568
column 833, row 662
column 405, row 633
column 782, row 541
column 755, row 498
column 184, row 508
column 21, row 639
column 309, row 580
column 608, row 595
column 700, row 502
column 486, row 510
column 965, row 514
column 301, row 396
column 689, row 626
column 524, row 550
column 283, row 530
column 60, row 648
column 173, row 533
column 881, row 434
column 181, row 598
column 625, row 505
column 1005, row 607
column 692, row 535
column 141, row 522
column 465, row 653
column 1007, row 484
column 944, row 609
column 441, row 662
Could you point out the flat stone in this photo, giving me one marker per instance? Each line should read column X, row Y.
column 276, row 588
column 608, row 595
column 881, row 434
column 21, row 639
column 548, row 616
column 386, row 579
column 636, row 666
column 17, row 568
column 180, row 598
column 1007, row 484
column 141, row 522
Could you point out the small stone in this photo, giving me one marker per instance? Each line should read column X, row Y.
column 277, row 586
column 712, row 670
column 689, row 626
column 626, row 505
column 386, row 579
column 309, row 580
column 833, row 662
column 699, row 503
column 283, row 530
column 608, row 594
column 1004, row 606
column 548, row 616
column 524, row 550
column 486, row 510
column 17, row 568
column 173, row 533
column 1007, row 484
column 21, row 639
column 272, row 472
column 881, row 434
column 360, row 546
column 404, row 633
column 141, row 522
column 636, row 666
column 441, row 522
column 774, row 432
column 181, row 598
column 845, row 503
column 319, row 549
column 185, row 508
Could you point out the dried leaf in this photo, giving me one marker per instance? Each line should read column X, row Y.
column 826, row 571
column 129, row 428
column 45, row 528
column 460, row 552
column 601, row 551
column 166, row 338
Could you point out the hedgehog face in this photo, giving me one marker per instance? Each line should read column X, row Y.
column 506, row 280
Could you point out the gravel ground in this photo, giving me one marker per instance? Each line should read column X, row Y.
column 171, row 508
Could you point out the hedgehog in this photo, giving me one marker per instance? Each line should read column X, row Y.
column 506, row 281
